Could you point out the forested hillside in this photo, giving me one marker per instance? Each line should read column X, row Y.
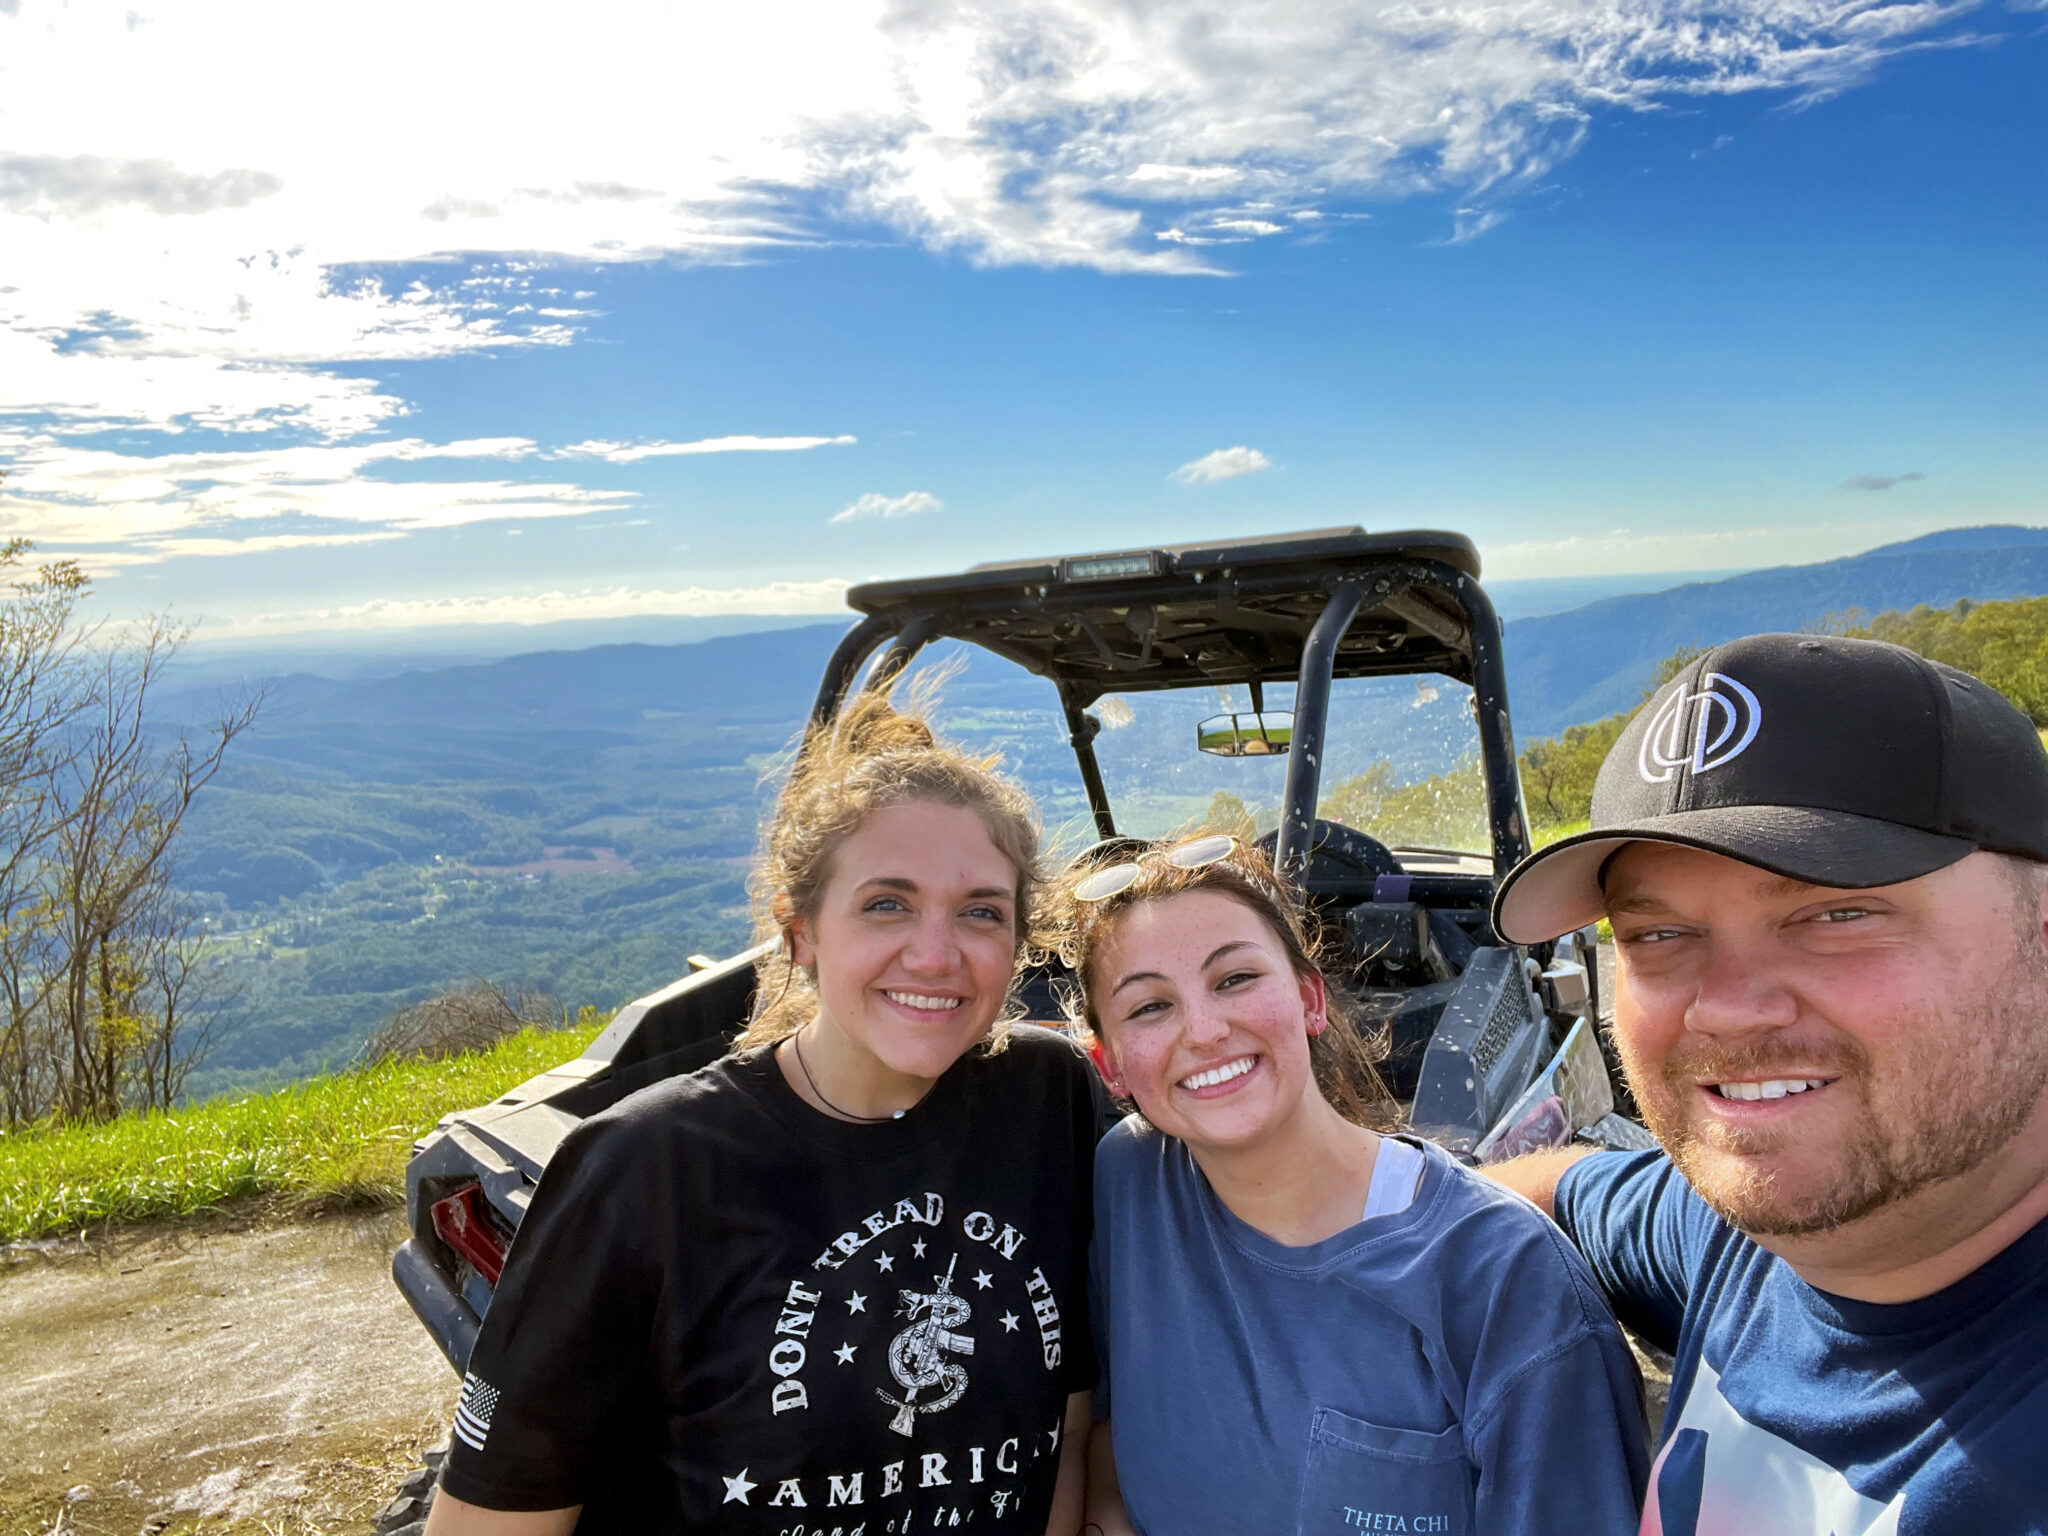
column 2005, row 644
column 1569, row 668
column 577, row 822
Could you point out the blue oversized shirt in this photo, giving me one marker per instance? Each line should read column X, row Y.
column 1447, row 1369
column 1798, row 1413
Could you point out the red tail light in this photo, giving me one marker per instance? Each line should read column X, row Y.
column 463, row 1222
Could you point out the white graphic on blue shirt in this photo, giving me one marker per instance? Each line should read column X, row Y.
column 1720, row 1475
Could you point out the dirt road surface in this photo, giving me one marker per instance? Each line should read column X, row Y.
column 267, row 1378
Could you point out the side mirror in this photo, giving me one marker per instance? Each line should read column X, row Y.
column 1262, row 735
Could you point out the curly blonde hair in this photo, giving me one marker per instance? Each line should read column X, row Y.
column 1345, row 1057
column 873, row 757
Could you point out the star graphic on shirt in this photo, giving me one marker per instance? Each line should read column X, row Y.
column 917, row 1249
column 737, row 1488
column 856, row 1302
column 983, row 1279
column 1009, row 1322
column 845, row 1353
column 885, row 1262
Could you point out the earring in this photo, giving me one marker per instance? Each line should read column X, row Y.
column 1100, row 1057
column 1318, row 1023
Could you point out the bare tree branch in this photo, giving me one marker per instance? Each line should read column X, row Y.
column 107, row 999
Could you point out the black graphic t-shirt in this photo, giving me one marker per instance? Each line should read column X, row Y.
column 726, row 1311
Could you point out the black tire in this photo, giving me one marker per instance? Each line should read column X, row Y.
column 406, row 1514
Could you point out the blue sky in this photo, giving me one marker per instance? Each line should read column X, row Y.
column 1664, row 314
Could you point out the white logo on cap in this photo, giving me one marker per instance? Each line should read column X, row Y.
column 1724, row 726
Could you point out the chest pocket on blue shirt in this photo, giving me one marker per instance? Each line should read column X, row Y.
column 1365, row 1477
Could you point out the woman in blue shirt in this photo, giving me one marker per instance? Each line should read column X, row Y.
column 1305, row 1324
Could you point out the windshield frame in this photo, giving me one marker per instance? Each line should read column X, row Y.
column 1470, row 642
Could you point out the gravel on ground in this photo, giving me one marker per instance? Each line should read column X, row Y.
column 233, row 1377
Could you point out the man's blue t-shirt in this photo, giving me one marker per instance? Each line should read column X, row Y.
column 1446, row 1369
column 1798, row 1413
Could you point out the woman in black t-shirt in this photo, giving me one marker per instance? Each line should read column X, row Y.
column 833, row 1282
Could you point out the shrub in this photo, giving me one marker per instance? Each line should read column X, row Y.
column 463, row 1019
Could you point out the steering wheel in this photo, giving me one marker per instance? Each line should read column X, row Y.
column 1338, row 852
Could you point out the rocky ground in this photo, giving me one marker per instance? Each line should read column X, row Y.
column 239, row 1377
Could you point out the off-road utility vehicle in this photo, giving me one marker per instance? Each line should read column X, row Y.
column 1494, row 1045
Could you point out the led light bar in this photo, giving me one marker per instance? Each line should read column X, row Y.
column 1111, row 567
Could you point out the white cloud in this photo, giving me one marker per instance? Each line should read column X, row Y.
column 86, row 184
column 1070, row 131
column 632, row 453
column 246, row 501
column 1223, row 464
column 1879, row 482
column 1471, row 223
column 202, row 228
column 154, row 551
column 874, row 504
column 826, row 596
column 153, row 507
column 466, row 448
column 231, row 180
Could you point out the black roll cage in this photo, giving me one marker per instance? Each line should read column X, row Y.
column 1347, row 574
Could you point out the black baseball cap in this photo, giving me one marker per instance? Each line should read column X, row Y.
column 1845, row 763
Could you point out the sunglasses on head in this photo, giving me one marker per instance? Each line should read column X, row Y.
column 1102, row 884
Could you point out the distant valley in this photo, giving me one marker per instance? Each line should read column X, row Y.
column 579, row 820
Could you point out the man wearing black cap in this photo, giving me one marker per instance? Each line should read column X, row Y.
column 1826, row 866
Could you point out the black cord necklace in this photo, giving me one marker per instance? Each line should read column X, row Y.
column 796, row 1044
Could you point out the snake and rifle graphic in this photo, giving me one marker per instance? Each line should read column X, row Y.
column 918, row 1355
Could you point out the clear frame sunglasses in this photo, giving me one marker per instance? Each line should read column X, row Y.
column 1102, row 884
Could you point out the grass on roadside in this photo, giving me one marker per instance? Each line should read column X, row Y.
column 339, row 1140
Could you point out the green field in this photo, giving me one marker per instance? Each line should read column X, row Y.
column 330, row 1142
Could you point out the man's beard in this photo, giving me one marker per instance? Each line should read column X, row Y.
column 1960, row 1083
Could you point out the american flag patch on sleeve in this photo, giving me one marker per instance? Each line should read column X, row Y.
column 473, row 1411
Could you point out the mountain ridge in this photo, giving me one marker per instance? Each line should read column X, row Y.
column 1590, row 662
column 1563, row 668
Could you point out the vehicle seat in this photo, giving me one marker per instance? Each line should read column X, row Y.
column 1037, row 994
column 1404, row 944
